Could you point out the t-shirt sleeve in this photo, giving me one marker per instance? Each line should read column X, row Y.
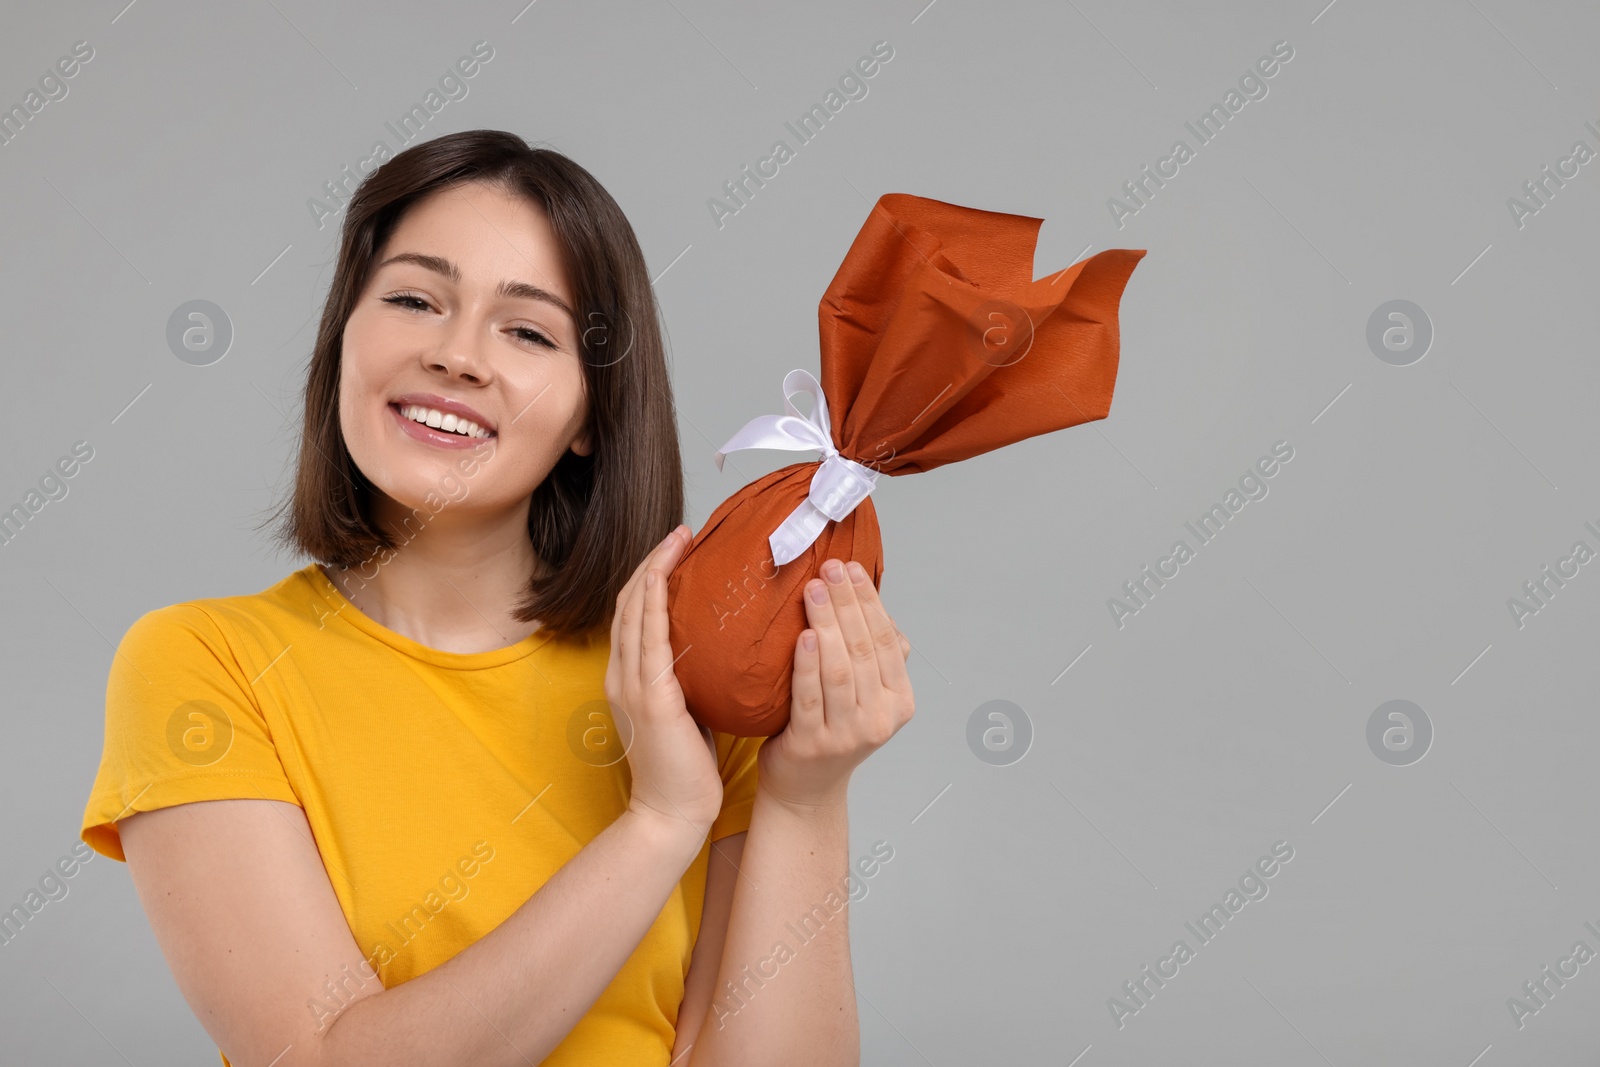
column 181, row 724
column 738, row 784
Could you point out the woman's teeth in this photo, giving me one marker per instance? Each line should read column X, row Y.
column 440, row 421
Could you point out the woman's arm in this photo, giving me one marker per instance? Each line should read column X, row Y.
column 243, row 909
column 793, row 1004
column 784, row 992
column 699, row 985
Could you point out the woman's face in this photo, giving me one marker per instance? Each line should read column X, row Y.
column 466, row 326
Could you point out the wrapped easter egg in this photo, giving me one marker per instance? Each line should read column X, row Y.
column 937, row 345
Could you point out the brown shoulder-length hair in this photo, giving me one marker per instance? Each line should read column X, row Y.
column 594, row 517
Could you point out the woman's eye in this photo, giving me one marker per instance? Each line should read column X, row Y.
column 407, row 300
column 534, row 336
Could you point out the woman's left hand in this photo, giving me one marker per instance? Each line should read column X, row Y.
column 850, row 692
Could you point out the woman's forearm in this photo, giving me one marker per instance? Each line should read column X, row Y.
column 785, row 993
column 511, row 996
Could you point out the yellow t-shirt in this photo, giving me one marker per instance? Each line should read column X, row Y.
column 442, row 788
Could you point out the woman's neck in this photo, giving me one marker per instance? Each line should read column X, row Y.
column 452, row 585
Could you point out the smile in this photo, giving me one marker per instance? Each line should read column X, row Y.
column 434, row 427
column 438, row 420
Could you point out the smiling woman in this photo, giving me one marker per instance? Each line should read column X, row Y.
column 488, row 273
column 491, row 319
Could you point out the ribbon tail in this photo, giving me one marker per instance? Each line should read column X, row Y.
column 797, row 532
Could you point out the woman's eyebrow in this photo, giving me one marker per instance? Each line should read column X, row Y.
column 515, row 290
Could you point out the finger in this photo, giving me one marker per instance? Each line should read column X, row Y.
column 853, row 626
column 886, row 637
column 805, row 688
column 655, row 655
column 677, row 537
column 833, row 664
column 627, row 591
column 627, row 647
column 629, row 620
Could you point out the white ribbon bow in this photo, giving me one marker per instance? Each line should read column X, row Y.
column 837, row 487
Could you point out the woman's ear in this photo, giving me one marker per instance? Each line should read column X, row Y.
column 583, row 444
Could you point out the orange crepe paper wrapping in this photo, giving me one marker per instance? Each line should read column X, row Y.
column 937, row 345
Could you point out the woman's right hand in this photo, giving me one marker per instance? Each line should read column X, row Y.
column 672, row 759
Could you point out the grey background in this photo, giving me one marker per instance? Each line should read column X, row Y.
column 1227, row 715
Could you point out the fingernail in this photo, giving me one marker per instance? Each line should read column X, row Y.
column 817, row 593
column 833, row 572
column 858, row 573
column 808, row 640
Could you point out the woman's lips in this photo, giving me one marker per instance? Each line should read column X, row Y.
column 428, row 435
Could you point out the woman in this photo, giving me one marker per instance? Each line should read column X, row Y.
column 420, row 841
